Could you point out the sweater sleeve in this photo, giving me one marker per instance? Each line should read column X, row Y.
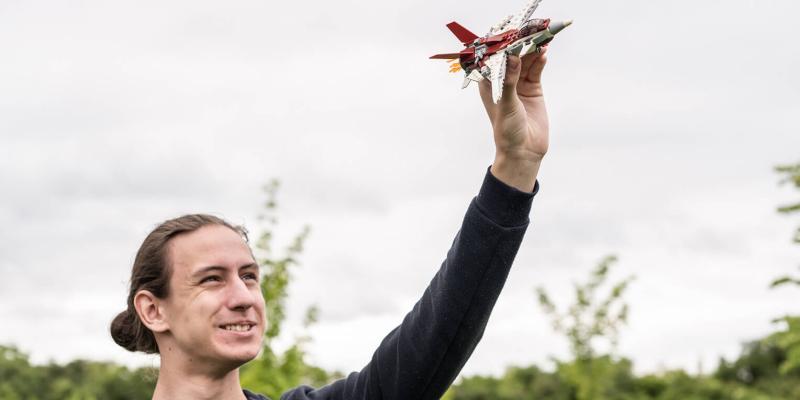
column 421, row 358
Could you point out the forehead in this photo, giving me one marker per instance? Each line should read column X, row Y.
column 207, row 246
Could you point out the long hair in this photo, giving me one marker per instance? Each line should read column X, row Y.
column 152, row 271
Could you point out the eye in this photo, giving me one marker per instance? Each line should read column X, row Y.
column 211, row 278
column 250, row 276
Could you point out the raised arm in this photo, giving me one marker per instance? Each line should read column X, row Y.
column 420, row 358
column 519, row 121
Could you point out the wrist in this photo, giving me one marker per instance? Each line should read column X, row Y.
column 515, row 171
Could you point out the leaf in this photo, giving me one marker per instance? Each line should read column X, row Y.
column 545, row 302
column 789, row 209
column 792, row 362
column 312, row 316
column 783, row 281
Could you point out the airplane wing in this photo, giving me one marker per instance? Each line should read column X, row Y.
column 501, row 26
column 473, row 76
column 519, row 19
column 497, row 71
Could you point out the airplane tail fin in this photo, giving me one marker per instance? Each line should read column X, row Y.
column 445, row 56
column 463, row 34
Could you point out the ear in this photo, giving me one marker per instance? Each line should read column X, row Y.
column 150, row 311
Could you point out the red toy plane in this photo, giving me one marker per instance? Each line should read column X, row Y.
column 485, row 57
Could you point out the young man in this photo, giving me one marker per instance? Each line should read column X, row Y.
column 195, row 297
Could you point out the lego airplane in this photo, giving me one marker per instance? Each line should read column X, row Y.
column 485, row 57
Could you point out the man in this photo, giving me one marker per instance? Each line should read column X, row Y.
column 195, row 297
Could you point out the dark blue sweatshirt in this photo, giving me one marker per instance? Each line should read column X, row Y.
column 421, row 358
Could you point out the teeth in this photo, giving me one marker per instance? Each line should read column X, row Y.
column 238, row 328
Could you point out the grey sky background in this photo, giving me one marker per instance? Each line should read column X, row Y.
column 667, row 118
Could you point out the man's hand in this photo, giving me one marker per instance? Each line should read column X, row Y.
column 519, row 121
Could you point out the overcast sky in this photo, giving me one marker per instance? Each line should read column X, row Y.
column 666, row 120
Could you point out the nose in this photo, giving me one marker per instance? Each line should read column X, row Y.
column 240, row 297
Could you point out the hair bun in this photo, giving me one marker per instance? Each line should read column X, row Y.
column 123, row 330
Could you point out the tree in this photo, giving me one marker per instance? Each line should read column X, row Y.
column 17, row 376
column 789, row 337
column 588, row 320
column 791, row 175
column 586, row 323
column 274, row 372
column 758, row 369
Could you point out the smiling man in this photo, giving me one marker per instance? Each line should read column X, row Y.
column 195, row 297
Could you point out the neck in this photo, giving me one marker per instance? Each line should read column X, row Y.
column 177, row 381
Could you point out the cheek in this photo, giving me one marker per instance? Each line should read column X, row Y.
column 197, row 313
column 261, row 308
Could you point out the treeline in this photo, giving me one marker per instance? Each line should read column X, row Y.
column 77, row 380
column 754, row 375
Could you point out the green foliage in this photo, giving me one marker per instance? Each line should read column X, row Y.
column 758, row 369
column 784, row 280
column 274, row 372
column 758, row 361
column 752, row 376
column 517, row 383
column 77, row 380
column 589, row 320
column 276, row 270
column 586, row 323
column 790, row 174
column 789, row 337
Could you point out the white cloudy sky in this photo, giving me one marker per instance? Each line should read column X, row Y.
column 667, row 118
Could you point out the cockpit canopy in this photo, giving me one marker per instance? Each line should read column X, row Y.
column 534, row 25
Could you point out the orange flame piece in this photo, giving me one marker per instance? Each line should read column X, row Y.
column 455, row 66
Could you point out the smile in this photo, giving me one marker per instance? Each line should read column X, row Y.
column 238, row 327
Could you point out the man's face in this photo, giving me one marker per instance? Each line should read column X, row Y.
column 215, row 310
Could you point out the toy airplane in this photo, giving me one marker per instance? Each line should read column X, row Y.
column 485, row 57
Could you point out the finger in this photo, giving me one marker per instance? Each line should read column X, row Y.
column 513, row 68
column 485, row 88
column 527, row 60
column 534, row 72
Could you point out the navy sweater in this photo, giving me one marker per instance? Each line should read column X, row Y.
column 421, row 358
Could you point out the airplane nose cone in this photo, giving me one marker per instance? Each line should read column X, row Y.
column 558, row 26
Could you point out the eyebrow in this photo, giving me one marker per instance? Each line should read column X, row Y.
column 210, row 268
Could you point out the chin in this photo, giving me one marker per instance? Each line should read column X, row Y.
column 231, row 359
column 240, row 352
column 246, row 354
column 242, row 357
